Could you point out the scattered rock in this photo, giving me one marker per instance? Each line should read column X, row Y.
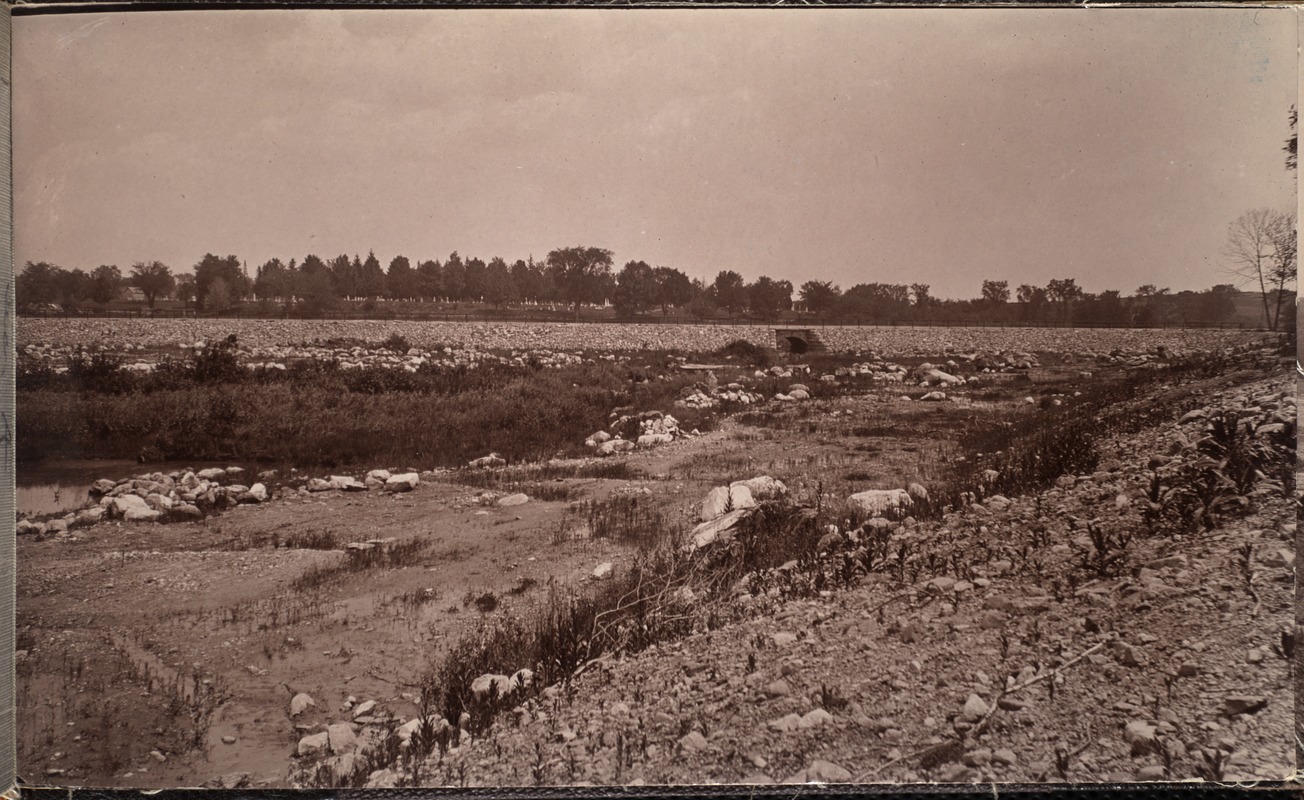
column 1244, row 704
column 314, row 744
column 692, row 742
column 405, row 482
column 718, row 529
column 1140, row 736
column 880, row 502
column 975, row 708
column 342, row 738
column 300, row 703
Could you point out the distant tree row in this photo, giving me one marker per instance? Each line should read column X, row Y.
column 1260, row 249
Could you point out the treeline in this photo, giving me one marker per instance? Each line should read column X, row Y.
column 586, row 276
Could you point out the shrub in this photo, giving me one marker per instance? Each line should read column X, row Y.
column 396, row 342
column 746, row 352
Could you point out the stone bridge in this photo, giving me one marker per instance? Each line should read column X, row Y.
column 798, row 341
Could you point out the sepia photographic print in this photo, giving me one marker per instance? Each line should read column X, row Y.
column 525, row 397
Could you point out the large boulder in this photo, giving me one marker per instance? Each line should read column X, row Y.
column 719, row 529
column 518, row 499
column 407, row 729
column 722, row 500
column 881, row 502
column 142, row 515
column 187, row 510
column 211, row 474
column 404, row 482
column 123, row 503
column 614, row 446
column 346, row 483
column 25, row 527
column 300, row 703
column 763, row 487
column 715, row 504
column 102, row 487
column 258, row 492
column 342, row 738
column 90, row 516
column 381, row 475
column 935, row 377
column 313, row 744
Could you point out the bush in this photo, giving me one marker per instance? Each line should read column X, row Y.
column 100, row 372
column 748, row 353
column 396, row 342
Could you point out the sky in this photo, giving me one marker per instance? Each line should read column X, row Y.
column 1113, row 146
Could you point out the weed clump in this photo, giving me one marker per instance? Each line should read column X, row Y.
column 396, row 342
column 747, row 352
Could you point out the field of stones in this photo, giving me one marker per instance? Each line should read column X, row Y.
column 385, row 554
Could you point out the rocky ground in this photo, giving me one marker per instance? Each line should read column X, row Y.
column 1011, row 667
column 901, row 342
column 169, row 654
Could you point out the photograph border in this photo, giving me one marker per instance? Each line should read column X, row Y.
column 8, row 766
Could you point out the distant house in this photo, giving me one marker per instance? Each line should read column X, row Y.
column 131, row 294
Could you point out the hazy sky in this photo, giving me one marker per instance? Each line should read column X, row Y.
column 933, row 146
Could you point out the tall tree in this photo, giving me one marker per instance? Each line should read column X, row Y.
column 674, row 288
column 1260, row 250
column 729, row 291
column 186, row 288
column 318, row 285
column 401, row 279
column 475, row 279
column 767, row 297
column 582, row 274
column 344, row 274
column 499, row 287
column 430, row 276
column 922, row 294
column 877, row 300
column 219, row 295
column 154, row 280
column 212, row 268
column 74, row 285
column 996, row 293
column 525, row 277
column 454, row 278
column 820, row 297
column 636, row 288
column 371, row 278
column 272, row 280
column 38, row 283
column 106, row 282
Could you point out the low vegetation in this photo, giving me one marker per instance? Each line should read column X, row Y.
column 315, row 414
column 781, row 552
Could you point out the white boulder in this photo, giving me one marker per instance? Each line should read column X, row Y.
column 404, row 482
column 880, row 502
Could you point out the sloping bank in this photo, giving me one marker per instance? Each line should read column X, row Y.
column 1057, row 515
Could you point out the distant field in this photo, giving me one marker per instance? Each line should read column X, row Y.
column 897, row 341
